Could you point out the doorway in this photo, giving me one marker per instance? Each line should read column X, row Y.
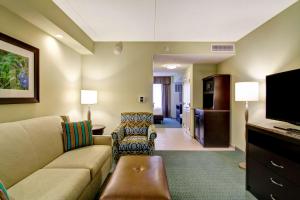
column 167, row 97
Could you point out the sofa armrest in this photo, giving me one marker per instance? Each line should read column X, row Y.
column 102, row 140
column 118, row 133
column 151, row 133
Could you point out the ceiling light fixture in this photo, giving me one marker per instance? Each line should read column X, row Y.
column 59, row 36
column 171, row 66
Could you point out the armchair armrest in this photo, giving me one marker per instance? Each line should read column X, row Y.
column 102, row 140
column 118, row 133
column 117, row 136
column 151, row 133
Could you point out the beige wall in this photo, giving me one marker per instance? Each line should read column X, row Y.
column 273, row 47
column 121, row 79
column 201, row 71
column 60, row 73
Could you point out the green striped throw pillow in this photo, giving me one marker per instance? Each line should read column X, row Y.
column 3, row 192
column 77, row 134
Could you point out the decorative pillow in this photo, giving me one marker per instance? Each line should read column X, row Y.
column 77, row 134
column 3, row 192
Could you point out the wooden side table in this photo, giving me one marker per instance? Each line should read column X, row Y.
column 98, row 129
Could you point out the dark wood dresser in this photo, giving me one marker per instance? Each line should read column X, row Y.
column 273, row 163
column 212, row 123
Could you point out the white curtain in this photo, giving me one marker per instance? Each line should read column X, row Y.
column 157, row 96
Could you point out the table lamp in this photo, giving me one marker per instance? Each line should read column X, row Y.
column 89, row 97
column 246, row 91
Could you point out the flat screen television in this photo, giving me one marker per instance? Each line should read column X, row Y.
column 283, row 96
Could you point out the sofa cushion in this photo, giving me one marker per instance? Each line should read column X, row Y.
column 54, row 184
column 134, row 144
column 77, row 134
column 46, row 137
column 18, row 157
column 3, row 192
column 90, row 157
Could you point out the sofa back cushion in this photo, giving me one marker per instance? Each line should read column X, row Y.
column 77, row 134
column 136, row 123
column 26, row 146
column 46, row 137
column 17, row 155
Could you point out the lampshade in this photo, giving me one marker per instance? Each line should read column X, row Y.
column 89, row 97
column 246, row 91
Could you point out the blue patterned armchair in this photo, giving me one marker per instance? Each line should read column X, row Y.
column 135, row 134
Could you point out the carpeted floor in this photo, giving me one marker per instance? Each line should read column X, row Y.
column 196, row 175
column 169, row 123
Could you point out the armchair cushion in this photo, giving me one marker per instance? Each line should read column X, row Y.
column 136, row 123
column 134, row 144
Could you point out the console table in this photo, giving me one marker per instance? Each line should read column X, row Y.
column 273, row 163
column 98, row 129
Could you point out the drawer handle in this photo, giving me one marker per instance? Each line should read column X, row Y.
column 272, row 197
column 274, row 182
column 276, row 165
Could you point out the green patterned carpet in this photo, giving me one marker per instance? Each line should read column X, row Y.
column 200, row 175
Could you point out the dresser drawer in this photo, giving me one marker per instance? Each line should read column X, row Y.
column 266, row 184
column 278, row 164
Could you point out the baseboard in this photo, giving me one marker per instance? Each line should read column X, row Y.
column 238, row 149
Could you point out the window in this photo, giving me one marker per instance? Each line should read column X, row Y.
column 157, row 95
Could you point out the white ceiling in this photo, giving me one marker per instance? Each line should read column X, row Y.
column 185, row 60
column 190, row 58
column 170, row 20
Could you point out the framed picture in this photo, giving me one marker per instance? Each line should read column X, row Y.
column 19, row 71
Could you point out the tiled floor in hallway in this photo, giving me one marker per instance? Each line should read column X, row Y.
column 176, row 139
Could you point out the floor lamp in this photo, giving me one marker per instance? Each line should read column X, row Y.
column 246, row 91
column 89, row 97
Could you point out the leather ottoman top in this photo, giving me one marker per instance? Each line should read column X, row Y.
column 138, row 177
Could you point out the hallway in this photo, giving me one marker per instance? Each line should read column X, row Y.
column 169, row 123
column 176, row 139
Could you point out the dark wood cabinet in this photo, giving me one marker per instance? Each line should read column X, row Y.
column 212, row 127
column 216, row 92
column 212, row 123
column 273, row 164
column 98, row 129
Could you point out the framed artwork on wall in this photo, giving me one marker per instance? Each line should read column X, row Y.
column 19, row 71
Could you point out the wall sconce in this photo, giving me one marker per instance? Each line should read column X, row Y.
column 118, row 49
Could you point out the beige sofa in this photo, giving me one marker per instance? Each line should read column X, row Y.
column 33, row 164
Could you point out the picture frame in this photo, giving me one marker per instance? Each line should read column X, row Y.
column 19, row 71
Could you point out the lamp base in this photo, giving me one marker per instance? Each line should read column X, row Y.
column 242, row 165
column 89, row 114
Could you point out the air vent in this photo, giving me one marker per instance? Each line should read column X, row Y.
column 222, row 48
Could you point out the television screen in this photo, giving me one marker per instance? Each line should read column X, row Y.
column 283, row 96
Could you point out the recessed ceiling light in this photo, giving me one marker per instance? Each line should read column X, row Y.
column 59, row 36
column 171, row 66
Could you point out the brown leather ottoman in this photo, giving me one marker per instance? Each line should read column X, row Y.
column 138, row 177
